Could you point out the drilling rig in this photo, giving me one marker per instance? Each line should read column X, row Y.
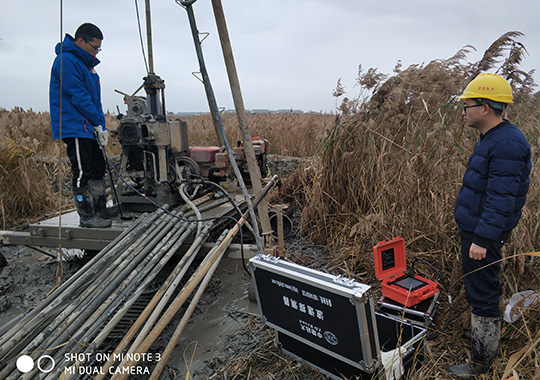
column 156, row 157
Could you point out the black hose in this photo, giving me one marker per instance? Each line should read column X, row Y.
column 233, row 203
column 445, row 286
column 191, row 220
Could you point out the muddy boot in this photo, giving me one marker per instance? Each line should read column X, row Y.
column 85, row 208
column 485, row 339
column 99, row 194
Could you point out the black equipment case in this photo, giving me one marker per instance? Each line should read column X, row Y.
column 330, row 322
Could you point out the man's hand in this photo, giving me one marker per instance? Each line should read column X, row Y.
column 102, row 135
column 476, row 252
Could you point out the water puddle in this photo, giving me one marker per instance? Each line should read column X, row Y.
column 204, row 336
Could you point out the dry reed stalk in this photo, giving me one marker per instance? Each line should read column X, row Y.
column 24, row 184
column 289, row 134
column 28, row 168
column 392, row 166
column 252, row 353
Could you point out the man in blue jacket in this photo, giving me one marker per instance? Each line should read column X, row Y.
column 77, row 118
column 488, row 207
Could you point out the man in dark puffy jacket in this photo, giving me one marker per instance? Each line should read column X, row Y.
column 77, row 118
column 487, row 208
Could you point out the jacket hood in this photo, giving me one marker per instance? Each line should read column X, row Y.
column 69, row 45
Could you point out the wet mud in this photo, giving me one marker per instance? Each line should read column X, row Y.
column 221, row 313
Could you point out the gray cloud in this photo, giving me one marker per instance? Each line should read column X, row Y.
column 289, row 54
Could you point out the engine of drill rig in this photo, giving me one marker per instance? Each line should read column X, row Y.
column 157, row 159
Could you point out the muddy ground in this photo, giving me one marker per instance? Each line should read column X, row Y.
column 225, row 327
column 223, row 310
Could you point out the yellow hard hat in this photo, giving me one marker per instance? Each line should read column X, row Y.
column 489, row 86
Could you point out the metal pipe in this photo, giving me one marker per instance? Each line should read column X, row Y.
column 236, row 91
column 41, row 331
column 185, row 319
column 122, row 271
column 170, row 252
column 231, row 200
column 221, row 129
column 149, row 37
column 191, row 284
column 44, row 317
column 160, row 299
column 84, row 333
column 218, row 202
column 59, row 314
column 140, row 280
column 194, row 249
column 6, row 334
column 140, row 271
column 26, row 329
column 152, row 264
column 70, row 319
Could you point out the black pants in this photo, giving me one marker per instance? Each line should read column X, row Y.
column 482, row 286
column 87, row 161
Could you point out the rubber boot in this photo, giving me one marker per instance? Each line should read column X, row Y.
column 485, row 340
column 85, row 208
column 99, row 194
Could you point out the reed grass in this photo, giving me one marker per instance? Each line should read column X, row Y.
column 28, row 153
column 392, row 165
column 289, row 134
column 33, row 167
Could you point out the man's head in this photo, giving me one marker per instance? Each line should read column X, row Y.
column 485, row 98
column 88, row 37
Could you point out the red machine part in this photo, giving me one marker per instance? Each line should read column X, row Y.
column 203, row 153
column 262, row 143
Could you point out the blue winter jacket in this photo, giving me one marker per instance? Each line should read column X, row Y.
column 81, row 92
column 495, row 185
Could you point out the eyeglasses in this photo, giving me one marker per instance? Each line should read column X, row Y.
column 96, row 48
column 467, row 107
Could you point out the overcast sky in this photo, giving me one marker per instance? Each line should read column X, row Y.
column 289, row 54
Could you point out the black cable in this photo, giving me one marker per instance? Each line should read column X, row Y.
column 190, row 220
column 443, row 282
column 220, row 188
column 140, row 35
column 231, row 200
column 113, row 187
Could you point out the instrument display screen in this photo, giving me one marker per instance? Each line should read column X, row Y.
column 409, row 283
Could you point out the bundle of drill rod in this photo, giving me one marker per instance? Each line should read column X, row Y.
column 69, row 325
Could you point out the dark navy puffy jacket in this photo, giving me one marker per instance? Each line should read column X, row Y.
column 495, row 184
column 81, row 92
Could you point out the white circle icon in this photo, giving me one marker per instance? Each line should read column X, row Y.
column 40, row 364
column 25, row 363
